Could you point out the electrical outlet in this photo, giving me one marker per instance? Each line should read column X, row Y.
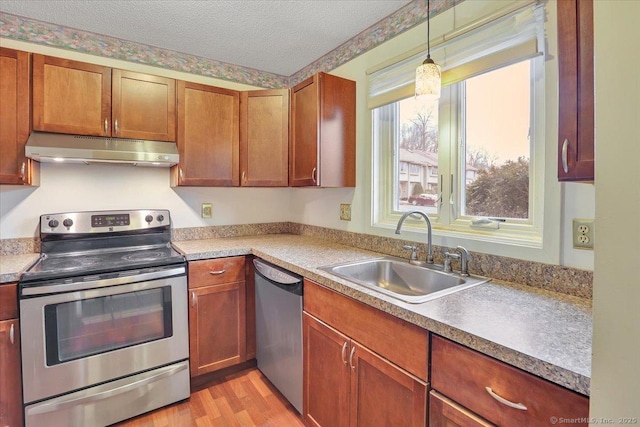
column 345, row 212
column 583, row 233
column 206, row 210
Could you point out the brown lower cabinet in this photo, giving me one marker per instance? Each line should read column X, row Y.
column 10, row 373
column 217, row 314
column 348, row 383
column 497, row 392
column 445, row 412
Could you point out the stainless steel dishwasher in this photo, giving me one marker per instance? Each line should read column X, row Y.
column 279, row 329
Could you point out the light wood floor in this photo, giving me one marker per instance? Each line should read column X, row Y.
column 246, row 398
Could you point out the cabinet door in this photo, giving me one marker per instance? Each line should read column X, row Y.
column 446, row 413
column 143, row 106
column 576, row 151
column 217, row 334
column 382, row 394
column 326, row 375
column 14, row 116
column 208, row 136
column 303, row 159
column 71, row 97
column 337, row 148
column 264, row 138
column 10, row 380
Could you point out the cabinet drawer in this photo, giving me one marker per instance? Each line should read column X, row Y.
column 401, row 342
column 216, row 271
column 8, row 301
column 444, row 412
column 464, row 375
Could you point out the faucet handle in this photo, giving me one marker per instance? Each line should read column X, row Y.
column 448, row 256
column 465, row 256
column 414, row 252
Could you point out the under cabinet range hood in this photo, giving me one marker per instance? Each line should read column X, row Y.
column 56, row 147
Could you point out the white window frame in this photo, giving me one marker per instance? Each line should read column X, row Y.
column 535, row 238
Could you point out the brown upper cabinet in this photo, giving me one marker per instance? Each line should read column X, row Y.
column 264, row 138
column 15, row 112
column 208, row 136
column 576, row 147
column 323, row 132
column 86, row 99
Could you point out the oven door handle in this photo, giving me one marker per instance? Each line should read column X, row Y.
column 54, row 406
column 81, row 286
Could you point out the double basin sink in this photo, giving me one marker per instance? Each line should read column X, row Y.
column 399, row 279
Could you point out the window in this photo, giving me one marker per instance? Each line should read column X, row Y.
column 478, row 148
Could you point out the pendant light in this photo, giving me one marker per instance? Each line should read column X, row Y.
column 428, row 74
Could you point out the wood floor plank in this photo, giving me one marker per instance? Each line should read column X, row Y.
column 241, row 399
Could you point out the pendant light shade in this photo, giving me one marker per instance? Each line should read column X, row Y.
column 428, row 79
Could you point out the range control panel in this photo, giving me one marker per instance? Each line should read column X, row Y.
column 103, row 221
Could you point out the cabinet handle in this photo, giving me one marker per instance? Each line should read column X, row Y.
column 505, row 401
column 22, row 170
column 194, row 299
column 115, row 126
column 181, row 174
column 11, row 333
column 353, row 351
column 313, row 175
column 344, row 353
column 217, row 272
column 565, row 153
column 106, row 125
column 244, row 176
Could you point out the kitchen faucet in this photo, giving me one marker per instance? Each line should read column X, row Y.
column 464, row 257
column 426, row 218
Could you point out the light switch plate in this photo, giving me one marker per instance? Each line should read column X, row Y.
column 583, row 233
column 206, row 210
column 345, row 212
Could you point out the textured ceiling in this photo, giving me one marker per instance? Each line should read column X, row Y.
column 278, row 36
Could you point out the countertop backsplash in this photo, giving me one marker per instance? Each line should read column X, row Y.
column 566, row 280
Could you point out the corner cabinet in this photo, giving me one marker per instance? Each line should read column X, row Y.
column 356, row 375
column 87, row 99
column 15, row 118
column 217, row 314
column 477, row 390
column 323, row 132
column 576, row 146
column 208, row 136
column 264, row 138
column 10, row 372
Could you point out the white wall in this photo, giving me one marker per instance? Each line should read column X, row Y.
column 615, row 381
column 68, row 188
column 571, row 200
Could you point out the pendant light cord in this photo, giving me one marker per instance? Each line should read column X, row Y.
column 428, row 35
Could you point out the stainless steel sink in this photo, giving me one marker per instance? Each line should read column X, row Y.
column 399, row 279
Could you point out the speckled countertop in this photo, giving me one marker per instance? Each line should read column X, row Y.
column 544, row 333
column 12, row 266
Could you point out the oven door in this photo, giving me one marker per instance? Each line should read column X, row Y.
column 78, row 339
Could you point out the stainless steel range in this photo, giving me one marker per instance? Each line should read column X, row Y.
column 103, row 319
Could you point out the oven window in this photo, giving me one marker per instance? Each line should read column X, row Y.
column 97, row 325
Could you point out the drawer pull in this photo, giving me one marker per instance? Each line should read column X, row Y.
column 11, row 335
column 217, row 272
column 344, row 353
column 504, row 401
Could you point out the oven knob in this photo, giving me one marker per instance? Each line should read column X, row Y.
column 160, row 218
column 53, row 223
column 148, row 218
column 67, row 222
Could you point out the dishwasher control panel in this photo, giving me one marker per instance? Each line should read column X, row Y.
column 272, row 272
